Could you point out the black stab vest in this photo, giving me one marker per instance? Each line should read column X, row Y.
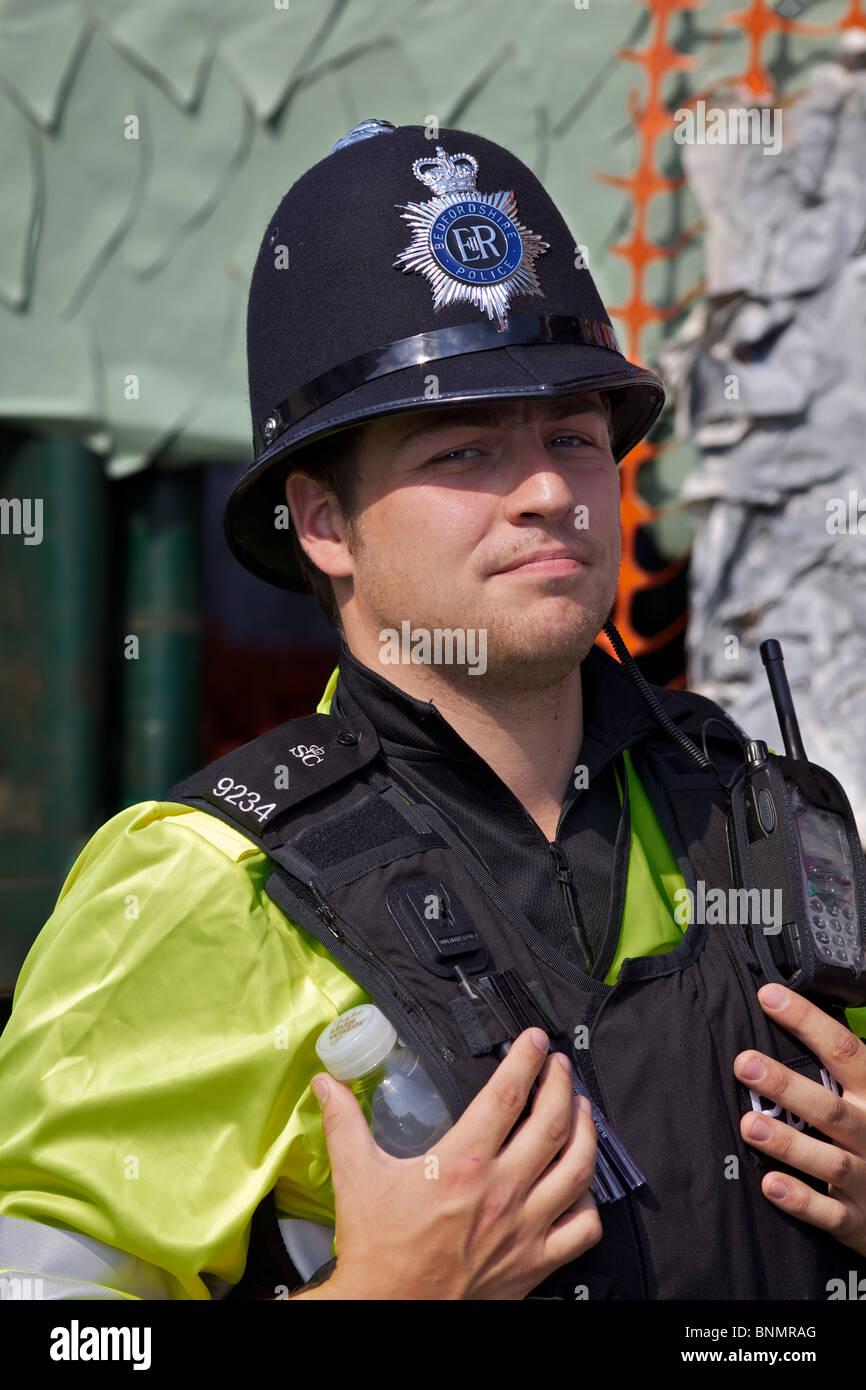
column 346, row 848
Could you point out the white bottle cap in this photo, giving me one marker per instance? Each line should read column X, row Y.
column 356, row 1042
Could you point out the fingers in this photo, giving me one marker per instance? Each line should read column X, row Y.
column 550, row 1126
column 346, row 1132
column 840, row 1050
column 560, row 1202
column 833, row 1114
column 485, row 1124
column 568, row 1178
column 575, row 1232
column 839, row 1216
column 840, row 1167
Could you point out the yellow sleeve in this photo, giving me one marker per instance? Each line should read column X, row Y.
column 154, row 1072
column 857, row 1021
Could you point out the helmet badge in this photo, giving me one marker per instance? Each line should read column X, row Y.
column 470, row 247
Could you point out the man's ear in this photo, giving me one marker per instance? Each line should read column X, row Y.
column 319, row 524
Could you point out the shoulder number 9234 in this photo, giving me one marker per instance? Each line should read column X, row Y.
column 233, row 792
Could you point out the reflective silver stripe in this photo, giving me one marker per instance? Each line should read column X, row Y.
column 21, row 1287
column 30, row 1249
column 308, row 1243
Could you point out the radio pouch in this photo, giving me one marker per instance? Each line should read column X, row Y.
column 796, row 856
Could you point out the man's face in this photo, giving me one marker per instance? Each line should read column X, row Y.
column 449, row 498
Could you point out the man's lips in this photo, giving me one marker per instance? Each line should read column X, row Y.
column 546, row 562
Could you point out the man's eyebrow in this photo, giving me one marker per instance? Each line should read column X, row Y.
column 491, row 416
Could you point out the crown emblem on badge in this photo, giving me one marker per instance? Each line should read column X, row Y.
column 469, row 245
column 447, row 173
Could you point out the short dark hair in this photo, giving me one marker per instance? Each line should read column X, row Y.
column 333, row 463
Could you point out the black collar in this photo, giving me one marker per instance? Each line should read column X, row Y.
column 615, row 714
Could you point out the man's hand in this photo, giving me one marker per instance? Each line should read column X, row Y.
column 477, row 1217
column 842, row 1164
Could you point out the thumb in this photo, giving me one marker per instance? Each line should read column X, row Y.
column 343, row 1123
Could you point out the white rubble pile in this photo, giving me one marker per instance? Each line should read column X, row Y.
column 769, row 378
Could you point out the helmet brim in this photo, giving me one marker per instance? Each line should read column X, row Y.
column 505, row 373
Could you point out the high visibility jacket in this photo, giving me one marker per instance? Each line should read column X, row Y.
column 154, row 1074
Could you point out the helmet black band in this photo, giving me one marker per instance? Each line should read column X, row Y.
column 428, row 347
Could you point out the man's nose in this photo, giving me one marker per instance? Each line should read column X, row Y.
column 537, row 480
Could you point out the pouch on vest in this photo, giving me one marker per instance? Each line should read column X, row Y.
column 791, row 836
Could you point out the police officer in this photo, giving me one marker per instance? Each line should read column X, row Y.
column 439, row 404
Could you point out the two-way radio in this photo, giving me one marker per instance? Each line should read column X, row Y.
column 792, row 829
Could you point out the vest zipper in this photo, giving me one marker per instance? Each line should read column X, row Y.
column 564, row 877
column 374, row 971
column 489, row 885
column 563, row 871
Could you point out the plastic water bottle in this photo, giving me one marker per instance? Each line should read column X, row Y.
column 402, row 1105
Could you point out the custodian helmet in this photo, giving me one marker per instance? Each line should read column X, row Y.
column 364, row 287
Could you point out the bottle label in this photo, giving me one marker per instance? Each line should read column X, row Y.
column 345, row 1024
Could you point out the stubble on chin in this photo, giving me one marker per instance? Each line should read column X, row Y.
column 526, row 660
column 523, row 656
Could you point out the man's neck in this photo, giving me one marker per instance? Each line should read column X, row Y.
column 531, row 738
column 531, row 741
